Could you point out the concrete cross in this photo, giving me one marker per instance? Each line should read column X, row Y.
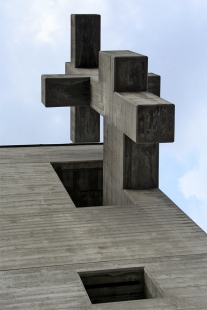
column 136, row 119
column 73, row 88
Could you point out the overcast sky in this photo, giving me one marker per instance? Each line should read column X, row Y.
column 35, row 40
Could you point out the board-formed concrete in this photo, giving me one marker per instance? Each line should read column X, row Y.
column 46, row 242
column 137, row 244
column 85, row 46
column 85, row 40
column 136, row 119
column 61, row 90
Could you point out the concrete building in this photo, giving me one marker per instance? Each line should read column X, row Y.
column 84, row 225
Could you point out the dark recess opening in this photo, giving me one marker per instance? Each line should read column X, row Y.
column 83, row 181
column 119, row 285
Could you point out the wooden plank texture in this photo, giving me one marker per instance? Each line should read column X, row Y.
column 45, row 240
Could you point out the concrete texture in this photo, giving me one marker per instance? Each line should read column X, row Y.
column 85, row 40
column 154, row 84
column 144, row 117
column 85, row 46
column 62, row 90
column 141, row 116
column 141, row 163
column 48, row 244
column 84, row 125
column 130, row 71
column 83, row 182
column 136, row 119
column 120, row 285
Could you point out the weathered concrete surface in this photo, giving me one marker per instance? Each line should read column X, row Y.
column 83, row 182
column 131, row 117
column 96, row 102
column 130, row 71
column 45, row 241
column 120, row 285
column 64, row 90
column 127, row 96
column 85, row 120
column 51, row 153
column 85, row 46
column 154, row 84
column 84, row 125
column 141, row 165
column 85, row 40
column 144, row 117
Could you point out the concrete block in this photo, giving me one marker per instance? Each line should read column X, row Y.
column 154, row 83
column 83, row 182
column 156, row 123
column 85, row 46
column 85, row 40
column 130, row 74
column 125, row 71
column 64, row 90
column 70, row 69
column 140, row 165
column 84, row 124
column 144, row 117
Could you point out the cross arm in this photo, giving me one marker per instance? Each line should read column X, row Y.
column 65, row 90
column 144, row 117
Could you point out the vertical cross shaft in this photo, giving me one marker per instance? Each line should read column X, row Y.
column 85, row 46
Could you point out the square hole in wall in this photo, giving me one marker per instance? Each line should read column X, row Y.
column 119, row 285
column 83, row 181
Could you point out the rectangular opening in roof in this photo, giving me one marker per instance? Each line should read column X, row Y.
column 83, row 181
column 119, row 285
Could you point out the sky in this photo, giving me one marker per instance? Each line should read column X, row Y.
column 35, row 40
